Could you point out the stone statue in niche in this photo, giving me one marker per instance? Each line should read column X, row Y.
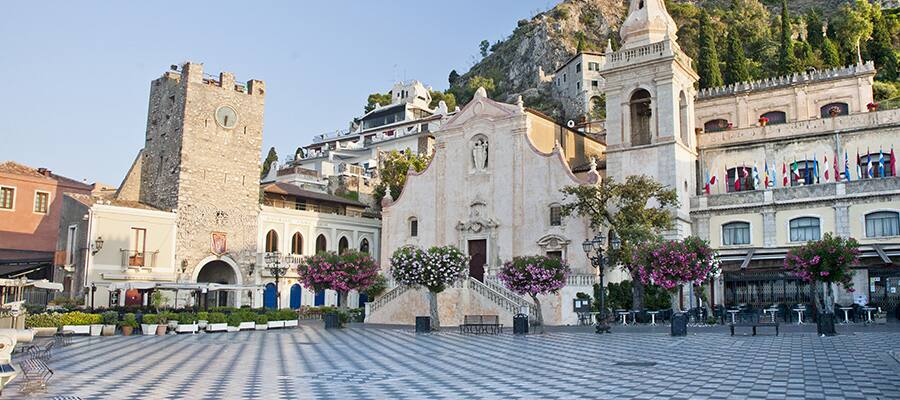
column 480, row 154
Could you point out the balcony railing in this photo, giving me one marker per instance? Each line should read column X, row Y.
column 134, row 259
column 311, row 207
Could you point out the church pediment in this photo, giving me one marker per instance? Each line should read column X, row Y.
column 483, row 107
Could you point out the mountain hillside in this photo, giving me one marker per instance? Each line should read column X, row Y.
column 521, row 64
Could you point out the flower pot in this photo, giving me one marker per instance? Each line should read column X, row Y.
column 173, row 325
column 232, row 329
column 202, row 324
column 262, row 327
column 148, row 329
column 332, row 320
column 108, row 330
column 126, row 330
column 275, row 324
column 679, row 324
column 825, row 324
column 247, row 325
column 96, row 330
column 220, row 327
column 78, row 329
column 291, row 323
column 161, row 330
column 44, row 331
column 187, row 328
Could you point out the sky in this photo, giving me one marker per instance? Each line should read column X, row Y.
column 76, row 75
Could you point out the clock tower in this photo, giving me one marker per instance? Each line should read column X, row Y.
column 201, row 159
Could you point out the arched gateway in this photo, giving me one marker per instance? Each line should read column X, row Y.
column 218, row 271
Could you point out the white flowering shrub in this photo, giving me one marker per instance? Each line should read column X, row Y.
column 434, row 269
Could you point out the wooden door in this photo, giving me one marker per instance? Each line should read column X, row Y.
column 478, row 254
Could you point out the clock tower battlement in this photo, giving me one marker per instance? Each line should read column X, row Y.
column 201, row 157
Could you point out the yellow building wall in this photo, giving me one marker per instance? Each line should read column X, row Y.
column 858, row 221
column 783, row 219
column 756, row 229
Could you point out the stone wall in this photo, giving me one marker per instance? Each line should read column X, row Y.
column 130, row 189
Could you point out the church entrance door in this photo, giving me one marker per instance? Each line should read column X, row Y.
column 478, row 254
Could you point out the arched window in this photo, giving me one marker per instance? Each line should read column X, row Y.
column 804, row 172
column 413, row 227
column 343, row 245
column 364, row 245
column 555, row 215
column 683, row 119
column 834, row 110
column 640, row 117
column 598, row 107
column 875, row 165
column 716, row 125
column 805, row 229
column 321, row 244
column 774, row 117
column 744, row 183
column 882, row 224
column 271, row 241
column 735, row 233
column 297, row 243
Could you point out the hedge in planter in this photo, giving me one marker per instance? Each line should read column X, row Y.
column 45, row 320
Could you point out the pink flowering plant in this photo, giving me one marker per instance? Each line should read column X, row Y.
column 533, row 276
column 827, row 261
column 433, row 269
column 342, row 273
column 673, row 263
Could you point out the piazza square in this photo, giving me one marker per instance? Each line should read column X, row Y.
column 616, row 199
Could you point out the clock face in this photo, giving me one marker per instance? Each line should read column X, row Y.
column 226, row 117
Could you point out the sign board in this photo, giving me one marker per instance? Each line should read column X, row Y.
column 582, row 305
column 861, row 299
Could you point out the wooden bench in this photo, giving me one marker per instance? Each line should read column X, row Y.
column 35, row 375
column 751, row 320
column 481, row 324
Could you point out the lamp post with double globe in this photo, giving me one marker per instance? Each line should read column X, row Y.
column 594, row 250
column 277, row 270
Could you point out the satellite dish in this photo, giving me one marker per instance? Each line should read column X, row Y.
column 570, row 124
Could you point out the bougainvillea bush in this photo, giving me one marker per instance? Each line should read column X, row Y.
column 827, row 261
column 533, row 276
column 673, row 263
column 342, row 273
column 433, row 269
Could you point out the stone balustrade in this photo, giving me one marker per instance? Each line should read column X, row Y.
column 818, row 192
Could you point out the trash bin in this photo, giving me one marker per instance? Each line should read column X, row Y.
column 332, row 321
column 679, row 324
column 825, row 324
column 520, row 324
column 423, row 324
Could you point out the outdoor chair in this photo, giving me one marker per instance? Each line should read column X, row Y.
column 35, row 375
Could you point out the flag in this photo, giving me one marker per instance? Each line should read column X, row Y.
column 774, row 174
column 893, row 162
column 745, row 173
column 706, row 186
column 807, row 176
column 795, row 171
column 826, row 168
column 784, row 174
column 766, row 173
column 858, row 167
column 846, row 166
column 869, row 173
column 737, row 179
column 880, row 162
column 837, row 172
column 815, row 168
column 755, row 176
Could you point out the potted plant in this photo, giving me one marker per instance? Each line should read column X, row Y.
column 217, row 322
column 128, row 323
column 172, row 319
column 290, row 318
column 246, row 320
column 110, row 319
column 187, row 323
column 534, row 276
column 202, row 319
column 826, row 261
column 262, row 322
column 274, row 319
column 763, row 121
column 872, row 107
column 77, row 322
column 149, row 324
column 163, row 324
column 45, row 324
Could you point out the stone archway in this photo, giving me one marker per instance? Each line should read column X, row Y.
column 222, row 272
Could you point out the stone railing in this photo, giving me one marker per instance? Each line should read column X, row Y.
column 385, row 298
column 788, row 80
column 795, row 194
column 510, row 305
column 581, row 280
column 759, row 134
column 647, row 52
column 494, row 284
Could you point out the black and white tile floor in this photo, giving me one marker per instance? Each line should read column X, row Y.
column 371, row 363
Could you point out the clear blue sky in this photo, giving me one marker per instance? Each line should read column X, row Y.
column 76, row 75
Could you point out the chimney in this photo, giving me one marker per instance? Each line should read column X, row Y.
column 44, row 171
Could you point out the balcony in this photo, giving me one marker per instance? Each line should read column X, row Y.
column 317, row 208
column 798, row 194
column 138, row 260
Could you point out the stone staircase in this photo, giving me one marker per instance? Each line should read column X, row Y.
column 386, row 298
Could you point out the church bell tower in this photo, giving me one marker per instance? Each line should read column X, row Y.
column 650, row 106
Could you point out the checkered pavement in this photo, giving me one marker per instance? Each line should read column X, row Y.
column 372, row 363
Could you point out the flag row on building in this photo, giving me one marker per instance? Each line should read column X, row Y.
column 806, row 171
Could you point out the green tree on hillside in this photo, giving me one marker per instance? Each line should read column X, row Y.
column 393, row 169
column 852, row 26
column 483, row 48
column 737, row 68
column 267, row 163
column 881, row 49
column 831, row 58
column 787, row 61
column 447, row 97
column 815, row 34
column 708, row 62
column 377, row 98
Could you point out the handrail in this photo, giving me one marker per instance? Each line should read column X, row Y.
column 501, row 300
column 386, row 298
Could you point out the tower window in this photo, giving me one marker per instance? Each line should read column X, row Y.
column 640, row 117
column 413, row 227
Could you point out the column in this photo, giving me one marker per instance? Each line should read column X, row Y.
column 842, row 219
column 769, row 239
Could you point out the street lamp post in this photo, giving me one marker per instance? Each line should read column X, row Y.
column 594, row 250
column 277, row 270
